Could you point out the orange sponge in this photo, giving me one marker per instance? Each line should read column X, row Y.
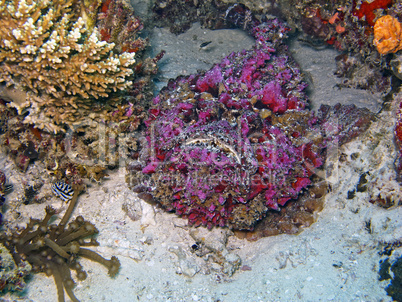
column 387, row 35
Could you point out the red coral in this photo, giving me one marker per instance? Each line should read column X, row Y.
column 105, row 6
column 117, row 23
column 37, row 132
column 367, row 10
column 105, row 34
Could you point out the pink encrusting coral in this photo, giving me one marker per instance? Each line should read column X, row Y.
column 398, row 141
column 225, row 146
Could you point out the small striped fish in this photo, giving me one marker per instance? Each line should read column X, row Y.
column 8, row 188
column 63, row 190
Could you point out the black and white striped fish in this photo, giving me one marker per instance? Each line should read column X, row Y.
column 8, row 188
column 63, row 190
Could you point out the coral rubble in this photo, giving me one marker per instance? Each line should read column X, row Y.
column 348, row 26
column 394, row 289
column 75, row 157
column 4, row 189
column 53, row 64
column 54, row 249
column 66, row 95
column 12, row 275
column 374, row 158
column 396, row 65
column 118, row 24
column 211, row 245
column 3, row 180
column 179, row 15
column 292, row 218
column 229, row 144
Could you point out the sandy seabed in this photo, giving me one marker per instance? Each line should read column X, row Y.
column 336, row 259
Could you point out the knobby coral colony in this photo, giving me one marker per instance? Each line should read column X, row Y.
column 225, row 146
column 55, row 249
column 53, row 63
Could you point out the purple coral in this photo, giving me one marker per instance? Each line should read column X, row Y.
column 211, row 157
column 225, row 146
column 398, row 141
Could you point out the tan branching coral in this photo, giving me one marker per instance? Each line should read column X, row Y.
column 387, row 35
column 50, row 50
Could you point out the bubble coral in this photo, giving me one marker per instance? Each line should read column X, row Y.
column 387, row 35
